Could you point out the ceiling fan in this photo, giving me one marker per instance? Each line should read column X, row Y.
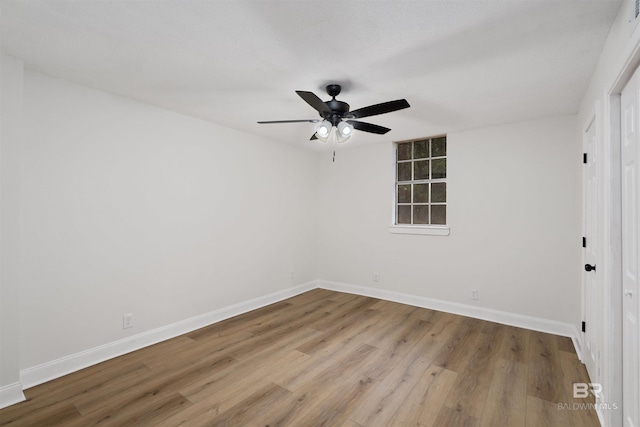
column 337, row 114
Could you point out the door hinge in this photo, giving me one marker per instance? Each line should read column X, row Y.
column 584, row 326
column 584, row 158
column 584, row 242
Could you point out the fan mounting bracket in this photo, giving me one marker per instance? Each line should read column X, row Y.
column 333, row 90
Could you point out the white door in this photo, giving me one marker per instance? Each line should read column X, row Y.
column 630, row 330
column 590, row 295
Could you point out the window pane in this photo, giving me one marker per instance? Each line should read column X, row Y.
column 421, row 193
column 404, row 151
column 421, row 150
column 439, row 147
column 439, row 192
column 404, row 171
column 404, row 193
column 439, row 168
column 421, row 214
column 420, row 200
column 421, row 170
column 404, row 214
column 438, row 214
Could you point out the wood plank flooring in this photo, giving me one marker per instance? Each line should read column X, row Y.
column 325, row 358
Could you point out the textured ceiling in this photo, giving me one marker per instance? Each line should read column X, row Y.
column 460, row 64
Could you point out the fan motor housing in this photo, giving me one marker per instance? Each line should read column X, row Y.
column 338, row 109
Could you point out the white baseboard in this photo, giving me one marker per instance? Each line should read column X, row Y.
column 600, row 415
column 577, row 342
column 11, row 394
column 506, row 318
column 57, row 368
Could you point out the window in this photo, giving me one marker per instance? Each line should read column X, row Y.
column 421, row 182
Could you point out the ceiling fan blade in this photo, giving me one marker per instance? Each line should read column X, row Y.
column 373, row 110
column 290, row 121
column 368, row 127
column 313, row 100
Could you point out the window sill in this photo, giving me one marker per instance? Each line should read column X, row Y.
column 430, row 230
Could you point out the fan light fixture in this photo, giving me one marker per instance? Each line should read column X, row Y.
column 345, row 129
column 323, row 129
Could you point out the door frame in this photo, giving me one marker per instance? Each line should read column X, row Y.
column 611, row 242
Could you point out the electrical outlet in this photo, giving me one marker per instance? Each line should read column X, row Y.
column 127, row 321
column 376, row 277
column 474, row 294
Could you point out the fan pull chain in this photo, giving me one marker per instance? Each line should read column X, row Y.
column 335, row 137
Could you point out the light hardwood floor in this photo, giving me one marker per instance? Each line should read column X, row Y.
column 325, row 358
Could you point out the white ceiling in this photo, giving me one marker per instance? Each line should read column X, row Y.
column 460, row 64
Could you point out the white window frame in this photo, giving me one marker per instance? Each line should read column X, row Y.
column 420, row 229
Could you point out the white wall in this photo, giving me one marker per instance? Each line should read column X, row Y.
column 127, row 208
column 10, row 152
column 514, row 196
